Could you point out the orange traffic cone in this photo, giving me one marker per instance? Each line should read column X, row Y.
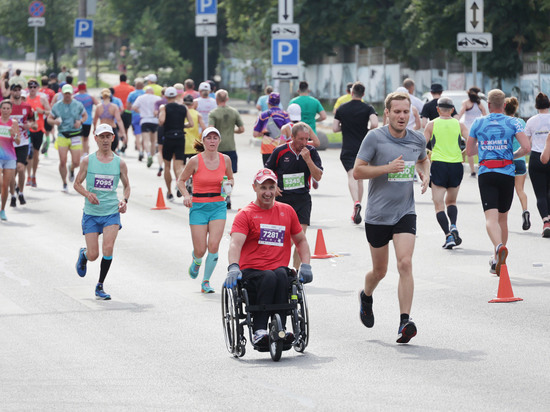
column 160, row 202
column 320, row 248
column 505, row 293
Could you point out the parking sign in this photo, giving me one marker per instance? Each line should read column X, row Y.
column 207, row 6
column 285, row 52
column 83, row 33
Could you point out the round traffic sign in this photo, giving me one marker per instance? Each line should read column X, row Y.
column 37, row 9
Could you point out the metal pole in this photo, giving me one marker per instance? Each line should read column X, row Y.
column 474, row 67
column 284, row 91
column 81, row 50
column 205, row 76
column 538, row 71
column 35, row 50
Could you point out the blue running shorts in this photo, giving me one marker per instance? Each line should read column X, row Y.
column 95, row 224
column 202, row 213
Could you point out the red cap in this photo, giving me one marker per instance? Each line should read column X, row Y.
column 264, row 174
column 82, row 86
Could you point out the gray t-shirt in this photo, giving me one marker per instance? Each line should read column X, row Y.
column 391, row 196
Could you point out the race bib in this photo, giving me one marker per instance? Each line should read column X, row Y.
column 75, row 141
column 104, row 182
column 273, row 235
column 293, row 181
column 407, row 175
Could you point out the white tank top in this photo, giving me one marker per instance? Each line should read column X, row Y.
column 471, row 115
column 205, row 106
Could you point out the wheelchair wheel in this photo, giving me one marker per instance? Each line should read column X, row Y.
column 303, row 319
column 276, row 337
column 230, row 320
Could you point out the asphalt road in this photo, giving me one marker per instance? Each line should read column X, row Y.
column 158, row 344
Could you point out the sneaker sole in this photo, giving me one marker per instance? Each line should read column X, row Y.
column 458, row 240
column 526, row 221
column 408, row 332
column 357, row 215
column 546, row 232
column 501, row 259
column 100, row 298
column 369, row 323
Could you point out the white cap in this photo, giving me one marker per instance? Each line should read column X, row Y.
column 152, row 78
column 401, row 90
column 24, row 93
column 170, row 92
column 294, row 112
column 102, row 128
column 204, row 86
column 209, row 130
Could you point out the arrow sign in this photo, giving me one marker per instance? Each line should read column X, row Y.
column 286, row 11
column 474, row 16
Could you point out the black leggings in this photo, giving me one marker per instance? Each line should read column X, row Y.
column 540, row 179
column 269, row 287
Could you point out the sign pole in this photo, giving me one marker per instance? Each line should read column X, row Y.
column 205, row 70
column 81, row 50
column 474, row 67
column 35, row 50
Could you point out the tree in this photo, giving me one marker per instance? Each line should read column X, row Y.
column 154, row 53
column 55, row 35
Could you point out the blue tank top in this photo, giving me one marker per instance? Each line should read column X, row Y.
column 88, row 104
column 102, row 179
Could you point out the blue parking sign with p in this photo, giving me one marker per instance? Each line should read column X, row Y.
column 84, row 28
column 207, row 7
column 285, row 52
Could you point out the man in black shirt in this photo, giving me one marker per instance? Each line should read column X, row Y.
column 429, row 111
column 352, row 119
column 172, row 116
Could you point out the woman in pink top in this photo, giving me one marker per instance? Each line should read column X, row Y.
column 9, row 133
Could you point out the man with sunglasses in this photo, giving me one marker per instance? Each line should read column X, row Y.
column 23, row 114
column 41, row 107
column 68, row 115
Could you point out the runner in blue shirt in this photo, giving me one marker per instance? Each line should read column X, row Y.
column 494, row 137
column 132, row 97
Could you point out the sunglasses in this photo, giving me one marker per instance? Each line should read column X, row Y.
column 33, row 87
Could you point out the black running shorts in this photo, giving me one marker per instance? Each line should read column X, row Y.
column 497, row 191
column 380, row 235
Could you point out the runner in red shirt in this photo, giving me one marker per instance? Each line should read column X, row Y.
column 261, row 240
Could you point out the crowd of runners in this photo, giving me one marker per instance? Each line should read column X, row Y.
column 191, row 133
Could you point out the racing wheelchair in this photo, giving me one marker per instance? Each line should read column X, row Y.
column 238, row 306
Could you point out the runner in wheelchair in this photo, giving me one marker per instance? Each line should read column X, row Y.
column 259, row 252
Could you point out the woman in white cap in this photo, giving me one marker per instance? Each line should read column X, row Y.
column 208, row 211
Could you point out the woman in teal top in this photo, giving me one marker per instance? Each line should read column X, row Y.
column 510, row 107
column 102, row 171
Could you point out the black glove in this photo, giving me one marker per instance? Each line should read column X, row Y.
column 234, row 274
column 304, row 273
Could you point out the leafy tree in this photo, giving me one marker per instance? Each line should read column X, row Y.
column 55, row 35
column 154, row 53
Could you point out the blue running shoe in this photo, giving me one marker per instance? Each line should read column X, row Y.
column 449, row 242
column 81, row 263
column 194, row 268
column 407, row 331
column 206, row 288
column 100, row 293
column 3, row 215
column 454, row 232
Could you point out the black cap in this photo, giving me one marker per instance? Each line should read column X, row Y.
column 14, row 85
column 436, row 88
column 188, row 99
column 53, row 76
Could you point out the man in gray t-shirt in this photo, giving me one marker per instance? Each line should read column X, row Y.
column 388, row 157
